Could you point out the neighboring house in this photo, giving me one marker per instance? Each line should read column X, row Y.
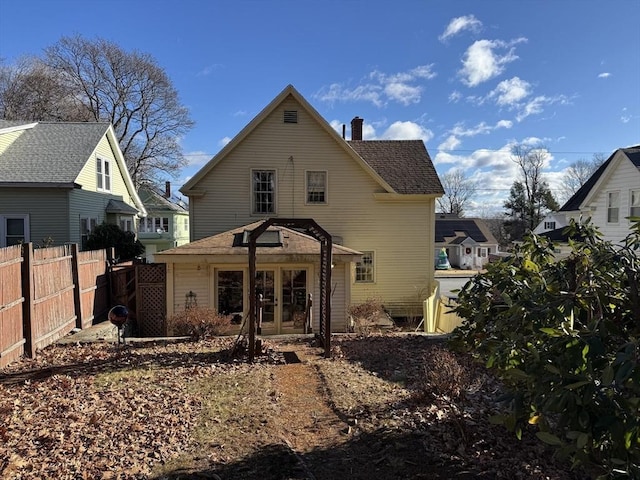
column 167, row 222
column 610, row 196
column 59, row 180
column 375, row 198
column 551, row 221
column 467, row 241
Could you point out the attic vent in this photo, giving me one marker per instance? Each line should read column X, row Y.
column 290, row 116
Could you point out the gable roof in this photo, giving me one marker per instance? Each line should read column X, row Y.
column 577, row 199
column 154, row 201
column 474, row 228
column 399, row 166
column 404, row 164
column 229, row 243
column 50, row 152
column 54, row 153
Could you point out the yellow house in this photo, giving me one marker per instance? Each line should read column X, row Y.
column 375, row 198
column 58, row 180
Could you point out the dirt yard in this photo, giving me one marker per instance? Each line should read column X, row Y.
column 393, row 406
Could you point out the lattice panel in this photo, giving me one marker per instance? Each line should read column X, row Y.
column 151, row 310
column 152, row 273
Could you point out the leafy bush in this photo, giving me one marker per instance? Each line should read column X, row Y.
column 107, row 235
column 199, row 323
column 564, row 337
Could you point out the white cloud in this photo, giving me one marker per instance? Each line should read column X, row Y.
column 406, row 131
column 197, row 158
column 223, row 141
column 512, row 91
column 604, row 75
column 537, row 105
column 451, row 143
column 380, row 88
column 209, row 69
column 455, row 96
column 482, row 128
column 459, row 24
column 482, row 61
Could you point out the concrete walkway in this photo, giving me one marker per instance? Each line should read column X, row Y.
column 100, row 332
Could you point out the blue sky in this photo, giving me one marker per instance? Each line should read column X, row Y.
column 470, row 78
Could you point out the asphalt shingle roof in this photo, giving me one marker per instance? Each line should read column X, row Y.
column 447, row 226
column 404, row 164
column 50, row 152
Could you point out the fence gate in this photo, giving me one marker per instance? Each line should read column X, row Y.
column 142, row 289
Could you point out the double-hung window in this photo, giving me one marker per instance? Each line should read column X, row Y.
column 263, row 191
column 613, row 207
column 365, row 268
column 317, row 187
column 549, row 225
column 103, row 170
column 634, row 203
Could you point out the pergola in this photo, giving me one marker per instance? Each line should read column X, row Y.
column 326, row 245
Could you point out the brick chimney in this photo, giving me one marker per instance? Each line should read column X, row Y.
column 356, row 128
column 167, row 189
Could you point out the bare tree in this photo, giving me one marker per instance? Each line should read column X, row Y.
column 458, row 191
column 577, row 174
column 85, row 80
column 30, row 90
column 530, row 197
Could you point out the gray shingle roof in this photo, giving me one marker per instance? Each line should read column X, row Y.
column 404, row 164
column 50, row 152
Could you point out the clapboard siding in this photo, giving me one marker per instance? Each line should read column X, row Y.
column 622, row 177
column 400, row 232
column 47, row 210
column 8, row 138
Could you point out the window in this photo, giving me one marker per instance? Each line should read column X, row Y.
column 263, row 191
column 482, row 252
column 126, row 224
column 364, row 268
column 549, row 225
column 154, row 225
column 634, row 203
column 317, row 187
column 14, row 230
column 87, row 225
column 613, row 206
column 103, row 169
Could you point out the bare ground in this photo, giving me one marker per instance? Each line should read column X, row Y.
column 383, row 407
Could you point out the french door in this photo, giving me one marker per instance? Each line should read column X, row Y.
column 284, row 296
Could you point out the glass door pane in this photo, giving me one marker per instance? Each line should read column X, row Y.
column 265, row 285
column 294, row 299
column 230, row 289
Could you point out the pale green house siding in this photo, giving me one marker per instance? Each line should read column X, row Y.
column 47, row 209
column 7, row 139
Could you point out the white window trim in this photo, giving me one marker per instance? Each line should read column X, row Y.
column 252, row 204
column 104, row 161
column 634, row 192
column 3, row 227
column 306, row 187
column 373, row 266
column 609, row 207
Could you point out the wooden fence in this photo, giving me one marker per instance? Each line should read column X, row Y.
column 47, row 292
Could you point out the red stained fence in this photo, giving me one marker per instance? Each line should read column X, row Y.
column 47, row 292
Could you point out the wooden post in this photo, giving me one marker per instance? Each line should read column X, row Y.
column 77, row 290
column 28, row 293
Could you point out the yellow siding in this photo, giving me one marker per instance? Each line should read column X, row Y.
column 399, row 232
column 7, row 139
column 191, row 277
column 88, row 175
